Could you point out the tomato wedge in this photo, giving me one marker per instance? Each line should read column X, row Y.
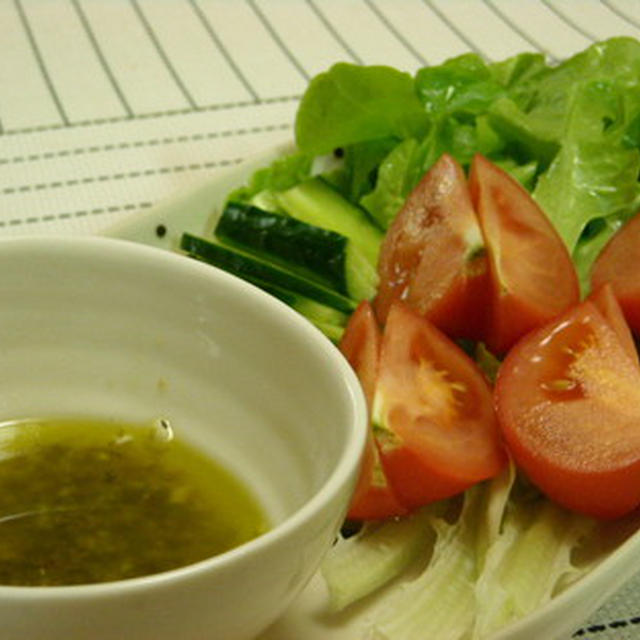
column 433, row 413
column 533, row 278
column 619, row 264
column 373, row 498
column 568, row 403
column 360, row 345
column 607, row 304
column 432, row 256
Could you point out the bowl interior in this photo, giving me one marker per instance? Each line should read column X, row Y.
column 107, row 328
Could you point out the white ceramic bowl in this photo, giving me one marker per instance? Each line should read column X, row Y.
column 108, row 328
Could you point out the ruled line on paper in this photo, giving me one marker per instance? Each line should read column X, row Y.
column 228, row 56
column 596, row 19
column 519, row 30
column 162, row 54
column 397, row 34
column 122, row 175
column 622, row 13
column 272, row 31
column 138, row 144
column 101, row 57
column 337, row 36
column 453, row 27
column 149, row 116
column 40, row 61
column 70, row 215
column 368, row 37
column 568, row 21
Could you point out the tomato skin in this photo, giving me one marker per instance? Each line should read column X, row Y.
column 433, row 413
column 568, row 403
column 373, row 498
column 360, row 345
column 432, row 256
column 619, row 264
column 533, row 278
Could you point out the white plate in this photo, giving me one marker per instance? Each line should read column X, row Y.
column 196, row 210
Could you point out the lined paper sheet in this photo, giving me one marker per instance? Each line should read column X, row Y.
column 109, row 106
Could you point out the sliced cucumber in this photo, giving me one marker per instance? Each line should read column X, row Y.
column 329, row 320
column 314, row 311
column 361, row 276
column 266, row 200
column 315, row 202
column 259, row 271
column 315, row 253
column 332, row 331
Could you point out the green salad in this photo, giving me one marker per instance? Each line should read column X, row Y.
column 308, row 229
column 570, row 133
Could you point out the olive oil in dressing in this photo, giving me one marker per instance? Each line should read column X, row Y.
column 85, row 501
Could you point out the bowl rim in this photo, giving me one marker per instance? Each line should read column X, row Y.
column 318, row 345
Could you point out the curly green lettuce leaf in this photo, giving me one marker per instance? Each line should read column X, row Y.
column 283, row 173
column 464, row 86
column 616, row 60
column 462, row 574
column 349, row 104
column 533, row 115
column 404, row 166
column 517, row 73
column 361, row 564
column 359, row 168
column 398, row 173
column 440, row 601
column 592, row 184
column 527, row 561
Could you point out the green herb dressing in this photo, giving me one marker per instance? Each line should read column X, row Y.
column 85, row 501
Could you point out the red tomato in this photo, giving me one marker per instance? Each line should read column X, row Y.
column 360, row 344
column 568, row 402
column 373, row 498
column 619, row 264
column 432, row 256
column 432, row 412
column 533, row 278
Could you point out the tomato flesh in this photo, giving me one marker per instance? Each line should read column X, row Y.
column 373, row 498
column 533, row 278
column 619, row 264
column 568, row 403
column 432, row 412
column 607, row 304
column 432, row 256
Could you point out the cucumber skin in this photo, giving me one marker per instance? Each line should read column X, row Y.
column 315, row 202
column 329, row 320
column 319, row 253
column 253, row 269
column 310, row 309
